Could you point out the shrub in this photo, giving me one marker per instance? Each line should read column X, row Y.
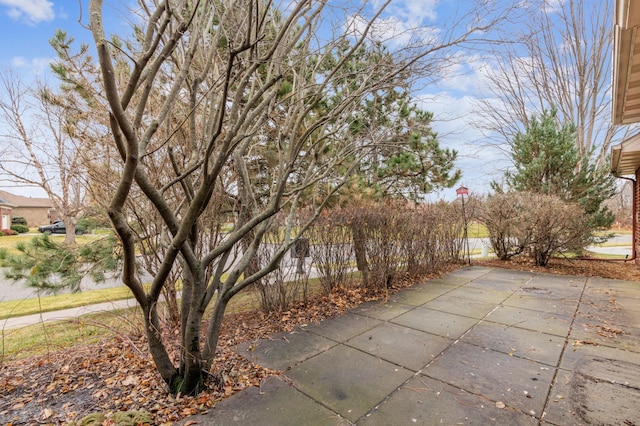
column 537, row 224
column 20, row 229
column 398, row 239
column 554, row 226
column 502, row 215
column 1, row 234
column 283, row 287
column 8, row 232
column 19, row 220
column 375, row 229
column 449, row 224
column 431, row 235
column 332, row 249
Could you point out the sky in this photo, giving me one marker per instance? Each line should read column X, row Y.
column 27, row 25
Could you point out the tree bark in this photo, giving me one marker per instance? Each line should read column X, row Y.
column 165, row 367
column 360, row 251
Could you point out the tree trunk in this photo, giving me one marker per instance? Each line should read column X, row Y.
column 191, row 364
column 171, row 299
column 167, row 370
column 70, row 235
column 360, row 251
column 213, row 331
column 191, row 369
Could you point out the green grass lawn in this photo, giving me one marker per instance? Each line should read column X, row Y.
column 477, row 230
column 9, row 242
column 604, row 256
column 18, row 308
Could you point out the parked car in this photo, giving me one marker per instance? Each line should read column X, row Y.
column 56, row 228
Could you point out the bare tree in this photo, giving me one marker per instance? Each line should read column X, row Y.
column 562, row 60
column 225, row 114
column 621, row 204
column 42, row 148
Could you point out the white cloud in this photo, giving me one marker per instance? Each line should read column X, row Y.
column 392, row 31
column 467, row 73
column 413, row 11
column 30, row 11
column 402, row 22
column 19, row 62
column 479, row 162
column 450, row 114
column 553, row 6
column 37, row 66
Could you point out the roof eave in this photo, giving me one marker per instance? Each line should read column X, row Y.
column 626, row 63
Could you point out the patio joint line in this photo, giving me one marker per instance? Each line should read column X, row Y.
column 420, row 371
column 294, row 386
column 498, row 305
column 564, row 348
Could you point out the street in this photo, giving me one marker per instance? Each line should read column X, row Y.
column 18, row 291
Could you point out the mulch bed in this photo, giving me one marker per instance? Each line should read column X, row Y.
column 117, row 374
column 627, row 271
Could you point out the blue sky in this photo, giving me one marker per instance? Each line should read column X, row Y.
column 27, row 25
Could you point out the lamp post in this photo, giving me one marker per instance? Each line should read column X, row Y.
column 462, row 191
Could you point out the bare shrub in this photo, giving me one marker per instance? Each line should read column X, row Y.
column 430, row 236
column 536, row 224
column 554, row 226
column 375, row 229
column 418, row 244
column 449, row 230
column 397, row 239
column 331, row 249
column 284, row 286
column 502, row 215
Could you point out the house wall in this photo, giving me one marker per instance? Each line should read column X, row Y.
column 636, row 217
column 35, row 216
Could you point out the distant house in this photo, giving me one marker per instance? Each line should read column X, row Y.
column 5, row 213
column 37, row 211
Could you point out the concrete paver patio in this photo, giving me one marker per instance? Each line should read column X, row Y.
column 478, row 346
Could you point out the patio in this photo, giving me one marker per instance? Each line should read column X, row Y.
column 480, row 345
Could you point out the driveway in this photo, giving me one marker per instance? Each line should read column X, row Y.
column 478, row 346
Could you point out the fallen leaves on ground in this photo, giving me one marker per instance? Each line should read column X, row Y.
column 626, row 271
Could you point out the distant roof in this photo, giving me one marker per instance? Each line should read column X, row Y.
column 3, row 202
column 20, row 201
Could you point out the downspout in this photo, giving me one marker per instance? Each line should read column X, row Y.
column 634, row 183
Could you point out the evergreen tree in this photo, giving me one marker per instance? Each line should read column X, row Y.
column 405, row 159
column 547, row 161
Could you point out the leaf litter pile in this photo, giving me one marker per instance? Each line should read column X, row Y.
column 117, row 373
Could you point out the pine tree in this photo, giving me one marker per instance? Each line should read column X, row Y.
column 547, row 161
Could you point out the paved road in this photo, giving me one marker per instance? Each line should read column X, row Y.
column 18, row 291
column 65, row 314
column 10, row 290
column 478, row 243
